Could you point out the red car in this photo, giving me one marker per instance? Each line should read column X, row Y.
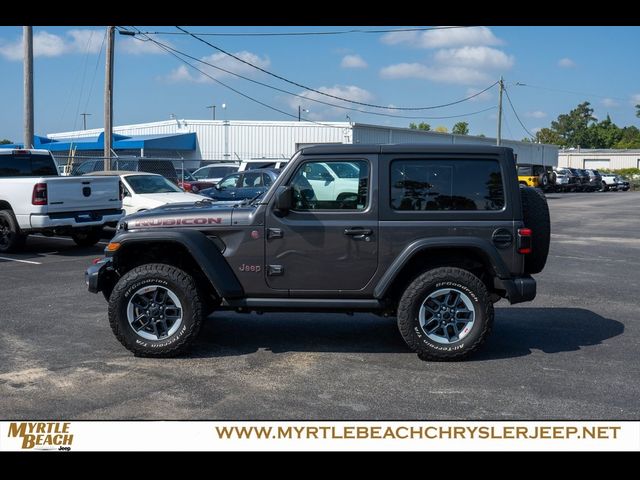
column 191, row 184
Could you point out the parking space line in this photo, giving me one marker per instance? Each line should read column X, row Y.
column 21, row 261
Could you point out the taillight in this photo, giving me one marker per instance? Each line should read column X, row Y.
column 524, row 240
column 39, row 196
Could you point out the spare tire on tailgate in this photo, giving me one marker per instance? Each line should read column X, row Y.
column 535, row 213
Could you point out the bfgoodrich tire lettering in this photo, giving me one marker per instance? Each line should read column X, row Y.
column 439, row 279
column 166, row 277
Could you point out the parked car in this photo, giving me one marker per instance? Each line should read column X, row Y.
column 189, row 183
column 583, row 178
column 566, row 180
column 34, row 198
column 623, row 185
column 609, row 181
column 253, row 164
column 539, row 176
column 148, row 165
column 595, row 180
column 241, row 186
column 142, row 191
column 215, row 172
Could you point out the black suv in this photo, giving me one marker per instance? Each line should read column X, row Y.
column 431, row 234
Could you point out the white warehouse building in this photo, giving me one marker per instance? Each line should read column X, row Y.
column 612, row 159
column 244, row 140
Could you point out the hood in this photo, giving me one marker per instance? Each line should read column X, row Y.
column 180, row 215
column 171, row 197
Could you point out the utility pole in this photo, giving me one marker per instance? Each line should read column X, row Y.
column 212, row 107
column 84, row 120
column 27, row 33
column 499, row 136
column 300, row 110
column 108, row 98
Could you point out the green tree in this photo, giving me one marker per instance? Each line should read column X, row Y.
column 4, row 141
column 547, row 135
column 604, row 134
column 573, row 127
column 629, row 138
column 413, row 126
column 442, row 129
column 461, row 128
column 481, row 135
column 424, row 126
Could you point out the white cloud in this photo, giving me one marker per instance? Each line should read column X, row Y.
column 609, row 103
column 536, row 114
column 135, row 46
column 566, row 63
column 483, row 97
column 85, row 40
column 353, row 61
column 44, row 45
column 221, row 60
column 444, row 74
column 318, row 111
column 442, row 38
column 478, row 57
column 635, row 99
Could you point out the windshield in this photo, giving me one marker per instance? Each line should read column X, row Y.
column 151, row 184
column 214, row 172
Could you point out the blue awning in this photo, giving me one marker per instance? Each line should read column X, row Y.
column 179, row 141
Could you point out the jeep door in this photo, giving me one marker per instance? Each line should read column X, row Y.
column 326, row 242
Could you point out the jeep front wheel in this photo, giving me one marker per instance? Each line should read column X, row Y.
column 445, row 314
column 155, row 311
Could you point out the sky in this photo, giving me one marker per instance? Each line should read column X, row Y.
column 556, row 67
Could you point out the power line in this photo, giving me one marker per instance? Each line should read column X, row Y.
column 84, row 74
column 301, row 34
column 303, row 97
column 175, row 53
column 279, row 77
column 517, row 117
column 93, row 79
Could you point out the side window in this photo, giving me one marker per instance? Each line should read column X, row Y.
column 251, row 179
column 230, row 182
column 266, row 180
column 315, row 188
column 446, row 185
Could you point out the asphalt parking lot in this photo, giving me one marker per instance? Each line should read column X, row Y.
column 571, row 354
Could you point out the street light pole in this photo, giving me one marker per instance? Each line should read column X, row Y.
column 499, row 136
column 213, row 108
column 28, row 86
column 300, row 110
column 108, row 98
column 84, row 120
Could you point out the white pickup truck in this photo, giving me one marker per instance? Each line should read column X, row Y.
column 35, row 199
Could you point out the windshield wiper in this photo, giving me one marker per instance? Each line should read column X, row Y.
column 255, row 197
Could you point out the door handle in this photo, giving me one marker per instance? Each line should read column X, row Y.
column 361, row 232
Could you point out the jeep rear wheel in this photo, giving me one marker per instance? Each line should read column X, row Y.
column 155, row 310
column 445, row 314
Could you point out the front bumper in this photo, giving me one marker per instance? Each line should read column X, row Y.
column 519, row 289
column 98, row 277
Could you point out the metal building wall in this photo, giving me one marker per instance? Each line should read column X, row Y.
column 527, row 152
column 618, row 159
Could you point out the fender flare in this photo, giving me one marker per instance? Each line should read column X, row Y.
column 202, row 250
column 478, row 244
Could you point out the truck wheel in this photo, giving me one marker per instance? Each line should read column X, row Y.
column 445, row 314
column 86, row 238
column 155, row 310
column 11, row 239
column 535, row 212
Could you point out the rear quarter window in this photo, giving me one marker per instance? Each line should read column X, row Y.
column 30, row 165
column 433, row 185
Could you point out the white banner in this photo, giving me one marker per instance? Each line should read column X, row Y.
column 319, row 435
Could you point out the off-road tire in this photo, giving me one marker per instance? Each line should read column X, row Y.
column 14, row 241
column 181, row 284
column 419, row 290
column 536, row 217
column 86, row 238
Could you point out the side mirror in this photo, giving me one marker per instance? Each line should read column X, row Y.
column 284, row 199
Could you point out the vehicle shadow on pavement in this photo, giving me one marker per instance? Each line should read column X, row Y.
column 519, row 331
column 228, row 334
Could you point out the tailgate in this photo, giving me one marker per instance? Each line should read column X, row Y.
column 68, row 194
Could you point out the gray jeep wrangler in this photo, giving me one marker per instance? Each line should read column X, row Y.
column 431, row 234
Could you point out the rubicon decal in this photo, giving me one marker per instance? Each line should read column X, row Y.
column 42, row 435
column 175, row 222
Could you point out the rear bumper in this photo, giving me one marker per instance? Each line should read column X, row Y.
column 99, row 277
column 519, row 289
column 91, row 218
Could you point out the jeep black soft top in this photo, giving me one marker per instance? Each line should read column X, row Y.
column 430, row 234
